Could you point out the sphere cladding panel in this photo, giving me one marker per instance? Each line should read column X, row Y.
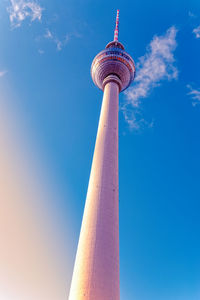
column 113, row 61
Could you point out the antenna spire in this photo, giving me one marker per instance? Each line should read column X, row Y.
column 116, row 33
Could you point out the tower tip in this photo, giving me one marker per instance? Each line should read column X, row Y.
column 116, row 33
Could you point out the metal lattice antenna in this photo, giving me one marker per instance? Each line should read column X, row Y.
column 116, row 33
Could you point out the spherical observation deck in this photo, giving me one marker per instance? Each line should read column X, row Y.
column 113, row 61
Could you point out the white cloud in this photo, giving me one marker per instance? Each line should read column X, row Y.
column 196, row 31
column 135, row 119
column 195, row 95
column 2, row 73
column 191, row 14
column 19, row 10
column 60, row 43
column 155, row 66
column 48, row 34
column 41, row 52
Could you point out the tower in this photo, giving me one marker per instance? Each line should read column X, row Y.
column 96, row 269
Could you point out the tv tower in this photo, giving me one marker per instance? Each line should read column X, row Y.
column 96, row 269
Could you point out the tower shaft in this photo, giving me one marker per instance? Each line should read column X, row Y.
column 96, row 270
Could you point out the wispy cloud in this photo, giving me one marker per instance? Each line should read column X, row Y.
column 191, row 14
column 196, row 31
column 195, row 95
column 60, row 43
column 19, row 10
column 158, row 64
column 2, row 73
column 41, row 52
column 48, row 34
column 135, row 119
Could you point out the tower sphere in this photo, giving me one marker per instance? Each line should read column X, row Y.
column 113, row 61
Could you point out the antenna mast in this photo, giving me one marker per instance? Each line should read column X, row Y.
column 116, row 33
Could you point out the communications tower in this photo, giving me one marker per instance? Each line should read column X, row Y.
column 96, row 269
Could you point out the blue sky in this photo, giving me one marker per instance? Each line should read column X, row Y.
column 49, row 116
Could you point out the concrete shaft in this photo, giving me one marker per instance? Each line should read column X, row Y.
column 96, row 270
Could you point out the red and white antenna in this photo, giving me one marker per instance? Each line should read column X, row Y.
column 116, row 33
